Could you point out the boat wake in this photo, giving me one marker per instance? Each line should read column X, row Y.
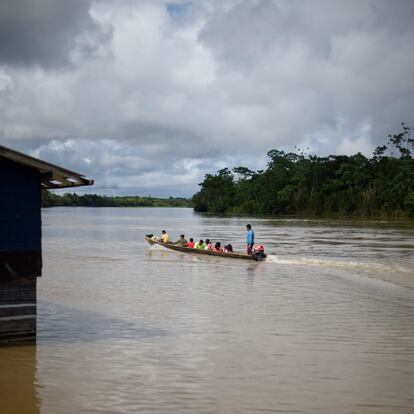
column 350, row 265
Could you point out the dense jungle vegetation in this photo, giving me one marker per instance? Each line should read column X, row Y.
column 50, row 199
column 296, row 183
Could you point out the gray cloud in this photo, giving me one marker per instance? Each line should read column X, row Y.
column 328, row 63
column 44, row 32
column 156, row 93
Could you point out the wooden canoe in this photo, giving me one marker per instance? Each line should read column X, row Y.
column 183, row 249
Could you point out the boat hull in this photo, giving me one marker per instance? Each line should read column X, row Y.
column 183, row 249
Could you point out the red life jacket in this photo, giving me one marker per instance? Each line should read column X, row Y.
column 190, row 244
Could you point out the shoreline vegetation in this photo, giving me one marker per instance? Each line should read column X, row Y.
column 300, row 184
column 294, row 184
column 50, row 199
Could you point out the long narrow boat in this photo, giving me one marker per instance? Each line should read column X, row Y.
column 183, row 249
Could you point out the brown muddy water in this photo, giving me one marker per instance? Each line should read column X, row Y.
column 326, row 325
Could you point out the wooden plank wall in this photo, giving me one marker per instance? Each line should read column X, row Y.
column 17, row 309
column 20, row 249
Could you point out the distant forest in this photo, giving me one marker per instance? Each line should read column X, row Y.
column 301, row 184
column 50, row 199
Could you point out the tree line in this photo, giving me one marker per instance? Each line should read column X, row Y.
column 303, row 184
column 50, row 199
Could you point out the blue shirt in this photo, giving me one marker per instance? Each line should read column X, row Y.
column 250, row 236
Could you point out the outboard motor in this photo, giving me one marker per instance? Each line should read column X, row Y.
column 258, row 253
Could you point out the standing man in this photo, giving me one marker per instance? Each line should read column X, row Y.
column 249, row 239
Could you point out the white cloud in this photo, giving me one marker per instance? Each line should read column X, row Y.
column 358, row 143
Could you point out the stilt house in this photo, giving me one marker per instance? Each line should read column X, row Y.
column 22, row 179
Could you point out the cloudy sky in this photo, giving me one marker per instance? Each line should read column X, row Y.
column 147, row 96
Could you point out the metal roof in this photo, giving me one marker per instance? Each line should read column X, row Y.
column 51, row 176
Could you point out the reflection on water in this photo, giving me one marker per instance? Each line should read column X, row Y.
column 18, row 393
column 326, row 325
column 70, row 325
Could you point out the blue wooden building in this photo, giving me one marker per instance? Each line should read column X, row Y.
column 22, row 179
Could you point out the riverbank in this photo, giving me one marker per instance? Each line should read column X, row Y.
column 304, row 184
column 50, row 199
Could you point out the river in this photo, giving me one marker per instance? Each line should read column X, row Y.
column 325, row 325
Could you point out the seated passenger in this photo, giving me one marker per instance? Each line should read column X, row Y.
column 181, row 241
column 209, row 245
column 217, row 247
column 200, row 245
column 228, row 248
column 190, row 243
column 165, row 238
